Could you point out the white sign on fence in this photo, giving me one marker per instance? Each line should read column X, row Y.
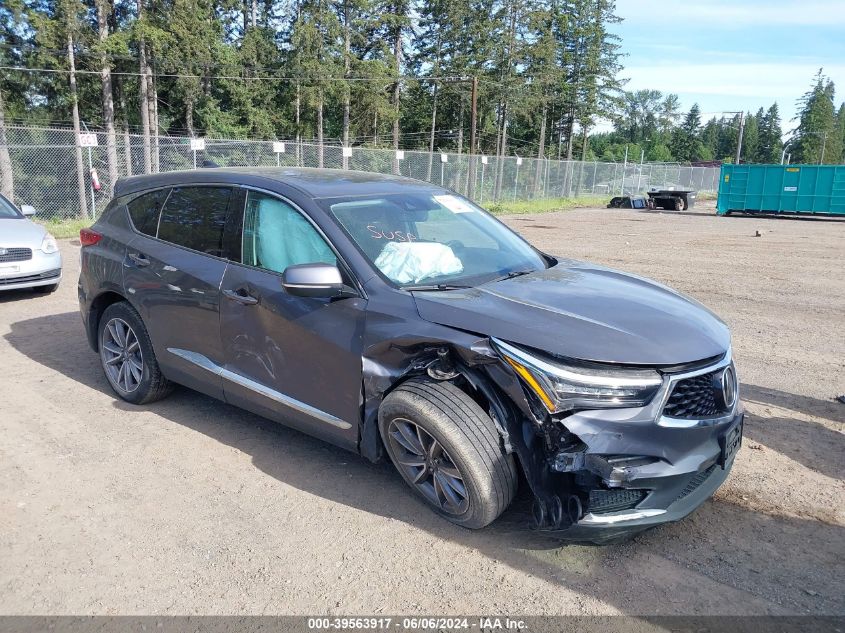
column 483, row 160
column 87, row 140
column 278, row 147
column 444, row 158
column 347, row 152
column 518, row 160
column 400, row 154
column 198, row 144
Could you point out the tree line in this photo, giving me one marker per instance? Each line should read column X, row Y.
column 650, row 126
column 382, row 73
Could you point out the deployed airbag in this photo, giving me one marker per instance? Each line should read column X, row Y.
column 405, row 262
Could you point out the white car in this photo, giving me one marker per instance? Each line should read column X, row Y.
column 29, row 255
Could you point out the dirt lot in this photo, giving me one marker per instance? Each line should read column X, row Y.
column 191, row 506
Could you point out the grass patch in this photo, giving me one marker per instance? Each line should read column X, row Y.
column 707, row 195
column 547, row 205
column 62, row 229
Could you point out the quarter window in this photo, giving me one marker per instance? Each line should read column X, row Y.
column 277, row 236
column 194, row 217
column 144, row 211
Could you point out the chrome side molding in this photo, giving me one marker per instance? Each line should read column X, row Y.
column 206, row 363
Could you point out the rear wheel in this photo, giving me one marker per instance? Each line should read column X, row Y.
column 448, row 451
column 127, row 356
column 679, row 204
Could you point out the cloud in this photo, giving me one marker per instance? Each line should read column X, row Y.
column 731, row 14
column 774, row 81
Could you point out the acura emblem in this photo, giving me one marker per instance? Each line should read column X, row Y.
column 728, row 387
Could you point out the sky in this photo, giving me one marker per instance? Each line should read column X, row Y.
column 733, row 55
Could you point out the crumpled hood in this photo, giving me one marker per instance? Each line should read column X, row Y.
column 16, row 232
column 584, row 311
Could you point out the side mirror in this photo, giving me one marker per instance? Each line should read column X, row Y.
column 313, row 280
column 28, row 210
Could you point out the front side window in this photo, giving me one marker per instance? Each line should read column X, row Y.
column 276, row 236
column 194, row 217
column 432, row 238
column 145, row 210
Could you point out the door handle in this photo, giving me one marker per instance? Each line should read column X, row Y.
column 138, row 259
column 240, row 295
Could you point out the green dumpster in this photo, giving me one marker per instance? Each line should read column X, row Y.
column 804, row 189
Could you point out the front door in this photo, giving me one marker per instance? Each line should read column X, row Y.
column 294, row 359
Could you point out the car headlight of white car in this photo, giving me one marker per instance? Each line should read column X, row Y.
column 49, row 245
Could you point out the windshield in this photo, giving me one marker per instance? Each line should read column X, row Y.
column 430, row 239
column 8, row 210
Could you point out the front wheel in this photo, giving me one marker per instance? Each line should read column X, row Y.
column 448, row 451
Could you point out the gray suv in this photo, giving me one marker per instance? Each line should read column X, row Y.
column 395, row 318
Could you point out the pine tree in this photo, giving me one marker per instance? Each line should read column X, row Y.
column 769, row 144
column 316, row 56
column 816, row 123
column 751, row 137
column 686, row 145
column 840, row 126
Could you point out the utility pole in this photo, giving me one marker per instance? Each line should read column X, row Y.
column 824, row 143
column 739, row 137
column 624, row 169
column 473, row 116
column 473, row 126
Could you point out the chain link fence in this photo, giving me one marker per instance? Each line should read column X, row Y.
column 45, row 173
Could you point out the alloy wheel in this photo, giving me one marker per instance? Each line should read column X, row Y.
column 122, row 356
column 427, row 465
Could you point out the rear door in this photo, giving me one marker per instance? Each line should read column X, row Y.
column 293, row 359
column 172, row 273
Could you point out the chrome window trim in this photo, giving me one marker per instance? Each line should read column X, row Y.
column 206, row 363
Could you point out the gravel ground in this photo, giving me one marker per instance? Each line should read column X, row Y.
column 190, row 506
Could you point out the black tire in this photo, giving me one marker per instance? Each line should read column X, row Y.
column 46, row 290
column 143, row 385
column 679, row 204
column 469, row 442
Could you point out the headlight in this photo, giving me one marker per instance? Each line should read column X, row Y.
column 49, row 244
column 564, row 387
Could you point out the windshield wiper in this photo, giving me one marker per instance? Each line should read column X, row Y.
column 431, row 287
column 511, row 275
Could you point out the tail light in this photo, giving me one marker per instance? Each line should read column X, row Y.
column 89, row 237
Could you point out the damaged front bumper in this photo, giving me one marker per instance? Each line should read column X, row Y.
column 600, row 475
column 655, row 493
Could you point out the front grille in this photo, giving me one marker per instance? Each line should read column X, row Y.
column 15, row 254
column 49, row 274
column 603, row 501
column 695, row 397
column 695, row 482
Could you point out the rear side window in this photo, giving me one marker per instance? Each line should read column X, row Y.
column 194, row 217
column 144, row 211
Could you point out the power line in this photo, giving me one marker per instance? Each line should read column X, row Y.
column 305, row 80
